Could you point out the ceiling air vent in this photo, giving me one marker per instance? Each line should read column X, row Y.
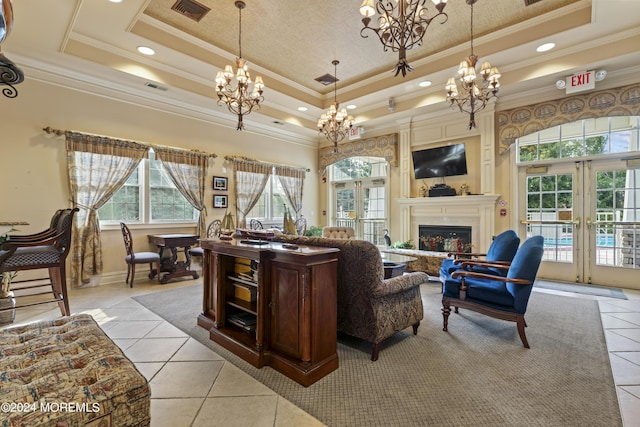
column 191, row 9
column 530, row 2
column 156, row 86
column 326, row 80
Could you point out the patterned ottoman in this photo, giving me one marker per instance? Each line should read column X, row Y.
column 67, row 372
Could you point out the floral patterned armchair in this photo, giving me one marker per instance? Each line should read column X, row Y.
column 370, row 307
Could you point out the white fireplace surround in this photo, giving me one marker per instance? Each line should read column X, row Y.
column 476, row 211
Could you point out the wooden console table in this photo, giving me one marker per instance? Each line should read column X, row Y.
column 273, row 306
column 170, row 264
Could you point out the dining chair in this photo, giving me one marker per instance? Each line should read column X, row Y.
column 213, row 231
column 255, row 224
column 133, row 258
column 46, row 250
column 301, row 226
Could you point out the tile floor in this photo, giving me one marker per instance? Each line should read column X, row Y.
column 174, row 363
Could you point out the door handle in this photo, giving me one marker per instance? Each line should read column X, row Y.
column 590, row 223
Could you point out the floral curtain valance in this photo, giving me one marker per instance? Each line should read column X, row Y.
column 517, row 122
column 290, row 172
column 385, row 146
column 248, row 165
column 103, row 145
column 185, row 157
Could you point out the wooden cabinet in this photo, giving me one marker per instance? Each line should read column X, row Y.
column 273, row 306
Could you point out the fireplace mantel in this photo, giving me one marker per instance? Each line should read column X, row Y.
column 477, row 211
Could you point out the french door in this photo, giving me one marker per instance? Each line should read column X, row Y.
column 588, row 213
column 361, row 204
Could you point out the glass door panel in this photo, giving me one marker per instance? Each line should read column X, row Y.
column 589, row 215
column 613, row 225
column 371, row 222
column 552, row 208
column 362, row 205
column 345, row 205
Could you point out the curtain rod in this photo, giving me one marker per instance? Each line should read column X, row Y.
column 247, row 159
column 59, row 132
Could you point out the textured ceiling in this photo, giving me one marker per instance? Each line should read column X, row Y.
column 299, row 39
column 289, row 43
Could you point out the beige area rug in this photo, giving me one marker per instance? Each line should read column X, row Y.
column 477, row 374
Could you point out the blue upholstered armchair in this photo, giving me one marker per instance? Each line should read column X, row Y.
column 504, row 298
column 501, row 251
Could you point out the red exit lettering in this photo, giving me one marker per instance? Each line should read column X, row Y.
column 580, row 79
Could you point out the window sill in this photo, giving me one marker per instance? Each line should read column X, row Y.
column 147, row 226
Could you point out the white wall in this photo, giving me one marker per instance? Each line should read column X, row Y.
column 33, row 164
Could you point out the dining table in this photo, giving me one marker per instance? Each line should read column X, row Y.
column 169, row 246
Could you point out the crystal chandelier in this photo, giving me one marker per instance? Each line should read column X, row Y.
column 335, row 123
column 401, row 25
column 241, row 99
column 474, row 95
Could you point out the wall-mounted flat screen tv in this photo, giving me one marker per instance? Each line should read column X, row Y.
column 439, row 162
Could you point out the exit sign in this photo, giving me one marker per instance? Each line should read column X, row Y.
column 581, row 81
column 355, row 132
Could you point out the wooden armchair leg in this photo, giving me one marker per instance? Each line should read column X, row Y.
column 375, row 352
column 521, row 325
column 58, row 288
column 128, row 274
column 415, row 328
column 446, row 310
column 133, row 275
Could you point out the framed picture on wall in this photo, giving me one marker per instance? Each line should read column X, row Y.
column 220, row 201
column 220, row 183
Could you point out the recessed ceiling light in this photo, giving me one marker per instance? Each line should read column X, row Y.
column 302, row 108
column 352, row 107
column 545, row 47
column 115, row 1
column 146, row 50
column 425, row 83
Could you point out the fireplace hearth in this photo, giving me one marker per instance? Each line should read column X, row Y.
column 444, row 238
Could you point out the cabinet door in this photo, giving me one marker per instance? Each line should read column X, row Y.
column 288, row 290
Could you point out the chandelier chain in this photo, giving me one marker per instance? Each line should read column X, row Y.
column 335, row 123
column 474, row 94
column 240, row 99
column 240, row 7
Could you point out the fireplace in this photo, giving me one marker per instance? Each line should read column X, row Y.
column 475, row 211
column 444, row 238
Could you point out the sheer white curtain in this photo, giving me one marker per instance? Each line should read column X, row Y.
column 250, row 179
column 98, row 167
column 292, row 180
column 188, row 171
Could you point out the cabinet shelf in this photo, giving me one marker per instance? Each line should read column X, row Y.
column 245, row 328
column 249, row 307
column 243, row 281
column 281, row 314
